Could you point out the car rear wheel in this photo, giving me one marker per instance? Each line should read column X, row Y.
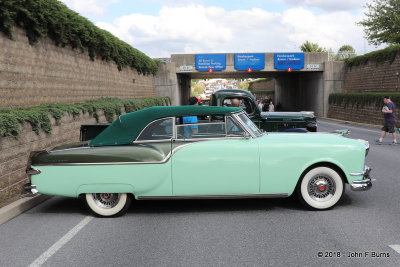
column 108, row 204
column 321, row 188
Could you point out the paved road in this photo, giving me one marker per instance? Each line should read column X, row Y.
column 61, row 232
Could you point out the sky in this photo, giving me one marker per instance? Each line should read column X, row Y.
column 160, row 28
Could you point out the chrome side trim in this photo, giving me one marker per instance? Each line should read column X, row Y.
column 172, row 118
column 122, row 163
column 32, row 171
column 69, row 149
column 213, row 196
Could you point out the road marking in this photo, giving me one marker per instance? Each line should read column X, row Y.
column 61, row 242
column 396, row 248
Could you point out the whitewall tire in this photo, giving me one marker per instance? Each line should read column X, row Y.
column 321, row 188
column 108, row 204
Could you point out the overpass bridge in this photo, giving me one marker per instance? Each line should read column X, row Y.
column 303, row 81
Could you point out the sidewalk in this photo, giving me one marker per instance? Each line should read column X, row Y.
column 20, row 206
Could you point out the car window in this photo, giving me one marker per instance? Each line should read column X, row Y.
column 245, row 120
column 200, row 127
column 157, row 130
column 245, row 104
column 233, row 129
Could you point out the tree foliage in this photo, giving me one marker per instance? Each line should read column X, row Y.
column 360, row 100
column 51, row 18
column 382, row 23
column 307, row 46
column 345, row 52
column 387, row 55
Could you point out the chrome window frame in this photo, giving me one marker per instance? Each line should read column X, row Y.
column 244, row 125
column 158, row 140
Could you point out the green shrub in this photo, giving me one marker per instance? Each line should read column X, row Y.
column 385, row 55
column 39, row 116
column 51, row 18
column 360, row 100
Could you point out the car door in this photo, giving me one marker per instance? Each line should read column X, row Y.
column 216, row 164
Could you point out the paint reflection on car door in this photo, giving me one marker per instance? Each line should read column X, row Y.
column 216, row 167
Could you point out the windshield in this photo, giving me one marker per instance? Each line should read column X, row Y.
column 252, row 127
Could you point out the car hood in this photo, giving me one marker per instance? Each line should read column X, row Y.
column 288, row 115
column 311, row 139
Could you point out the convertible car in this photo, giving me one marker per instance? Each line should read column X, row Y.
column 154, row 154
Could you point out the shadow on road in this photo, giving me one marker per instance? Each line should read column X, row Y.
column 78, row 206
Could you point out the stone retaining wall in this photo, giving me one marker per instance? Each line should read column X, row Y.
column 15, row 153
column 373, row 77
column 367, row 114
column 45, row 73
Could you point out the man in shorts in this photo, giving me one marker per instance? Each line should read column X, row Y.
column 389, row 114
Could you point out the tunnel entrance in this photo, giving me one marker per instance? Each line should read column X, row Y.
column 294, row 91
column 302, row 82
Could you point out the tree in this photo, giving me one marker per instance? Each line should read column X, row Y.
column 382, row 24
column 344, row 52
column 307, row 46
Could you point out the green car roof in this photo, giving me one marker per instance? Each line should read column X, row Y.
column 128, row 126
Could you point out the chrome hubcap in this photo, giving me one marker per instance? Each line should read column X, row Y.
column 106, row 200
column 321, row 188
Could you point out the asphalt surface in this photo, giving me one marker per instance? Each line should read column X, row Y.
column 359, row 231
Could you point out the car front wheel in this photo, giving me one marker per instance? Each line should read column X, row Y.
column 321, row 188
column 108, row 204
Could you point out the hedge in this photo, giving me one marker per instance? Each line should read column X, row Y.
column 385, row 55
column 360, row 100
column 51, row 18
column 39, row 116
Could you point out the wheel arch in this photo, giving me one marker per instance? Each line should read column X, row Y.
column 105, row 188
column 323, row 164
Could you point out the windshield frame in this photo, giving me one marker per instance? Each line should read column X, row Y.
column 248, row 124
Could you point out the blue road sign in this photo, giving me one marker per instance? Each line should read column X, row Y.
column 246, row 61
column 282, row 61
column 217, row 62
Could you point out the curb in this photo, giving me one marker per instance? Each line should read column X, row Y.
column 20, row 206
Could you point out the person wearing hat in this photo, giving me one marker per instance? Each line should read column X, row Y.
column 389, row 114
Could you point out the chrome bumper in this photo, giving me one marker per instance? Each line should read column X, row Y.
column 30, row 190
column 362, row 185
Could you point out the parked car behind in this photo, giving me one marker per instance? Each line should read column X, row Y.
column 151, row 154
column 268, row 121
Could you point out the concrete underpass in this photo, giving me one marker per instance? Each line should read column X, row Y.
column 299, row 90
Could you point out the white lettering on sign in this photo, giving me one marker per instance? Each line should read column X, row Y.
column 186, row 68
column 312, row 66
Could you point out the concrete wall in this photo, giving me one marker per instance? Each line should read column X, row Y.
column 166, row 83
column 373, row 77
column 301, row 92
column 310, row 95
column 334, row 82
column 45, row 73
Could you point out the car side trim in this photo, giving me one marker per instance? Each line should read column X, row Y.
column 213, row 196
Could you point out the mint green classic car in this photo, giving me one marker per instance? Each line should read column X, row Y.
column 154, row 154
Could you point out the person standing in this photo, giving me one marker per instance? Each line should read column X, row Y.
column 271, row 107
column 189, row 130
column 389, row 113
